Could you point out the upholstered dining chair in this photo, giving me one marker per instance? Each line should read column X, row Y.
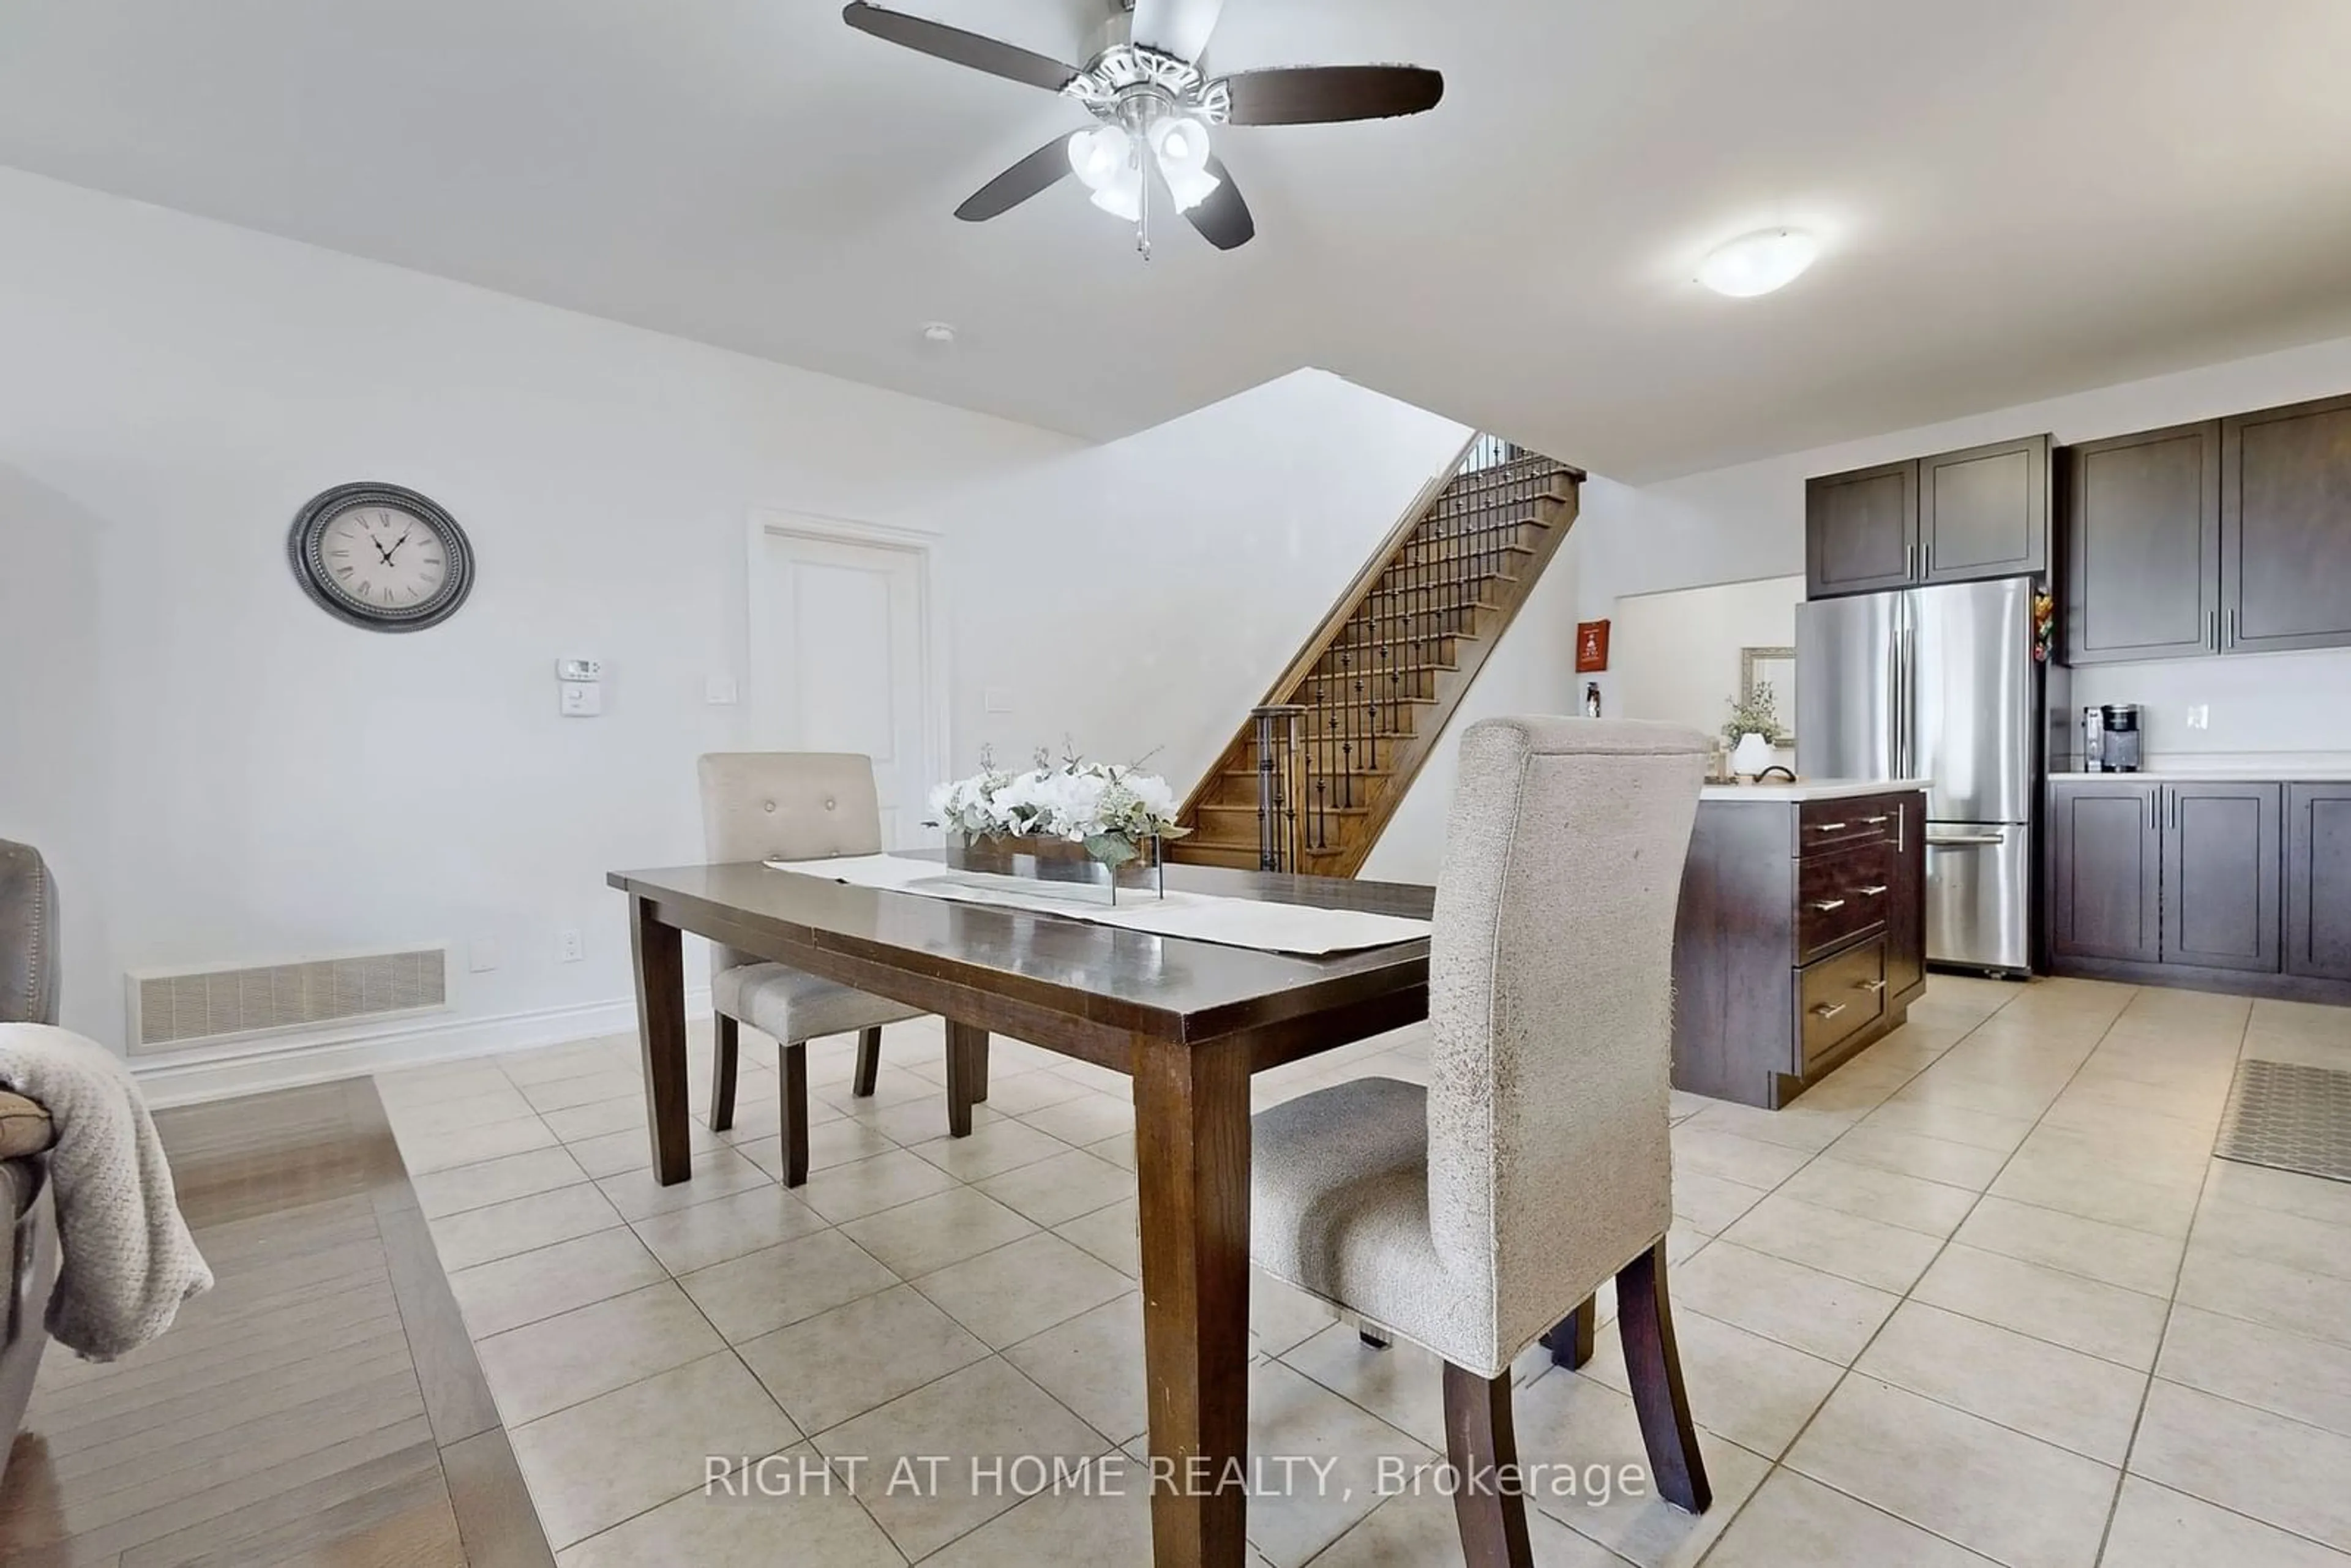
column 1479, row 1215
column 798, row 805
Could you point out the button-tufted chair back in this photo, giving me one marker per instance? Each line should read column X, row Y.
column 29, row 936
column 786, row 805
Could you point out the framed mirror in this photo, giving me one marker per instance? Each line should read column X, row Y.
column 1776, row 668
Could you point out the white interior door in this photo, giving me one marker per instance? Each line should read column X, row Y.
column 840, row 640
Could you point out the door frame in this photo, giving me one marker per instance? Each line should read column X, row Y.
column 762, row 656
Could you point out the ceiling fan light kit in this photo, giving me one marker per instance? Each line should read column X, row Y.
column 1148, row 95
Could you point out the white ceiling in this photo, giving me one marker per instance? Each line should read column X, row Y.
column 2019, row 197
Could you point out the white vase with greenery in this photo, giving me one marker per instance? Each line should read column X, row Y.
column 1754, row 720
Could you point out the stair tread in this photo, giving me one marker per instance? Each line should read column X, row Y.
column 1229, row 808
column 1355, row 772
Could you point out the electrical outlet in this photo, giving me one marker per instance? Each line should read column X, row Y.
column 482, row 953
column 2200, row 717
column 567, row 943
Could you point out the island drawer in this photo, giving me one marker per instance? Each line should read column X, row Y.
column 1841, row 895
column 1836, row 998
column 1825, row 825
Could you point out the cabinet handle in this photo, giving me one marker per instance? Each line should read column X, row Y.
column 1828, row 1009
column 1829, row 826
column 1872, row 987
column 2232, row 628
column 1876, row 891
column 1910, row 563
column 1925, row 560
column 2212, row 635
column 1826, row 904
column 1874, row 821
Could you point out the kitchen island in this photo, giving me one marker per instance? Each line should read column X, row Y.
column 1802, row 936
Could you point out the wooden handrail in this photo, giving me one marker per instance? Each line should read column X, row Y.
column 1319, row 640
column 1445, row 581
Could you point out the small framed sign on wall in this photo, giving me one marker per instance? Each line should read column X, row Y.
column 1591, row 647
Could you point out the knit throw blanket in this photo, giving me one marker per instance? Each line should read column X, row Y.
column 127, row 1259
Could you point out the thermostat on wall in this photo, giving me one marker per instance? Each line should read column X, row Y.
column 583, row 696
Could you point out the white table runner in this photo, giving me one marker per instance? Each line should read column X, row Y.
column 1299, row 928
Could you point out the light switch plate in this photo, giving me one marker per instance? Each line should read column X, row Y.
column 718, row 690
column 581, row 699
column 481, row 955
column 2200, row 717
column 999, row 699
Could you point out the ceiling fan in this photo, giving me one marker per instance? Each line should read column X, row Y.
column 1153, row 106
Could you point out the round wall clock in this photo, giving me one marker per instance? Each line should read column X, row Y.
column 382, row 557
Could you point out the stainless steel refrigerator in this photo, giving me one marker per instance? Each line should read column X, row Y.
column 1937, row 684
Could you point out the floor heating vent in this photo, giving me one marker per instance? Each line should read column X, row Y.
column 175, row 1009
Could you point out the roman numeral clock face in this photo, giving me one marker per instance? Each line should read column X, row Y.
column 382, row 557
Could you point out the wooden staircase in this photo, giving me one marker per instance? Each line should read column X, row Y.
column 1317, row 770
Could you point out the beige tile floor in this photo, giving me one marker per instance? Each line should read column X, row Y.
column 1981, row 1296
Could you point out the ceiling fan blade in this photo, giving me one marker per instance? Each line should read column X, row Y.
column 1033, row 173
column 981, row 54
column 1179, row 27
column 1222, row 217
column 1320, row 95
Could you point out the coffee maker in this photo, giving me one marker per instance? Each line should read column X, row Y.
column 2110, row 738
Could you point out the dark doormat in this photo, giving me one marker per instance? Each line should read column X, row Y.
column 2288, row 1117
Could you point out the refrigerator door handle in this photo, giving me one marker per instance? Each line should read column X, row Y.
column 1905, row 697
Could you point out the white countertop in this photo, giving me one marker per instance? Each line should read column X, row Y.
column 2256, row 773
column 1810, row 790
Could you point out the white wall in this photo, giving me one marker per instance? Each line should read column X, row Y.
column 172, row 390
column 240, row 777
column 1748, row 521
column 1139, row 597
column 51, row 736
column 1676, row 655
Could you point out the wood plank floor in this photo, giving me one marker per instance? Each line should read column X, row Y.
column 321, row 1403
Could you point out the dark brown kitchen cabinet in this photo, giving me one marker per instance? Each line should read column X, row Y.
column 2318, row 881
column 2143, row 546
column 1984, row 512
column 1860, row 530
column 1955, row 518
column 2105, row 883
column 2222, row 861
column 1905, row 910
column 1801, row 939
column 2285, row 527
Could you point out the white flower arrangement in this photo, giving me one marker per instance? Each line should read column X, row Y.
column 1109, row 810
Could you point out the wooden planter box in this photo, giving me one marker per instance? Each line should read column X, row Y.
column 1045, row 859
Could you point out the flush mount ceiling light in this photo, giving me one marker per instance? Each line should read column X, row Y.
column 1757, row 263
column 1154, row 107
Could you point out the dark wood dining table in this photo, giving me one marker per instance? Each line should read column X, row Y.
column 1187, row 1021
